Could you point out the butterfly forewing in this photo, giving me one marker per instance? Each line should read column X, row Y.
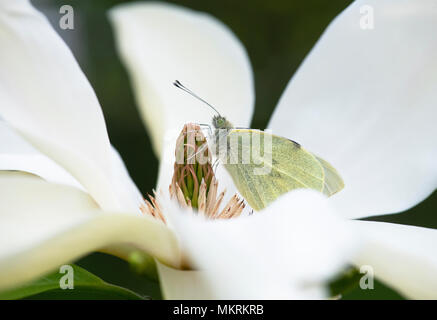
column 276, row 165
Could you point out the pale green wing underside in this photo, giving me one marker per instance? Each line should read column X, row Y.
column 333, row 183
column 274, row 171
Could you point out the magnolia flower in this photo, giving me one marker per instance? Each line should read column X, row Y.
column 363, row 99
column 351, row 102
column 53, row 128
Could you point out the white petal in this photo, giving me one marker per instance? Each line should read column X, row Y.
column 401, row 256
column 43, row 225
column 127, row 192
column 184, row 284
column 16, row 154
column 46, row 97
column 365, row 101
column 196, row 285
column 19, row 155
column 160, row 43
column 286, row 251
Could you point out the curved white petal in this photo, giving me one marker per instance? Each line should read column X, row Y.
column 160, row 43
column 43, row 225
column 19, row 155
column 16, row 154
column 179, row 284
column 285, row 251
column 46, row 97
column 126, row 190
column 365, row 100
column 401, row 256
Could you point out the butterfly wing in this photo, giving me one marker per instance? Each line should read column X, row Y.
column 264, row 166
column 333, row 183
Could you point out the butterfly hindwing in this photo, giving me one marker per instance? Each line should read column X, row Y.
column 333, row 182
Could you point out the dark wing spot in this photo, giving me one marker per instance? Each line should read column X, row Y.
column 295, row 143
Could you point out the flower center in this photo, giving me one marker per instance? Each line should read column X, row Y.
column 194, row 185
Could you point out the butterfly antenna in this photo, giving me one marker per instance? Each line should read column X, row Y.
column 179, row 85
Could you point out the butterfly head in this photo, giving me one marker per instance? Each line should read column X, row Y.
column 220, row 122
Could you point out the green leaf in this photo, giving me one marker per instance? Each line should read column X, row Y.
column 121, row 273
column 346, row 286
column 85, row 286
column 379, row 292
column 345, row 282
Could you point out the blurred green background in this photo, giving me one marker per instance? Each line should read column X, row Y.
column 277, row 35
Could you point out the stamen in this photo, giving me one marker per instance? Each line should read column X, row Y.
column 194, row 185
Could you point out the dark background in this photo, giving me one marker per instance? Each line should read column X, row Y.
column 276, row 34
